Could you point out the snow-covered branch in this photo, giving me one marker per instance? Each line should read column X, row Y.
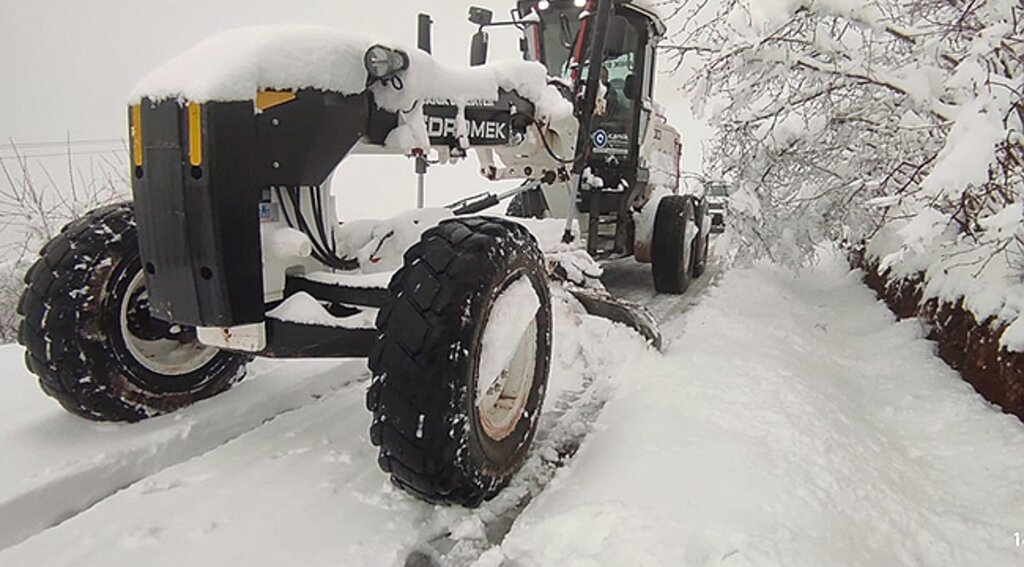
column 35, row 203
column 825, row 108
column 899, row 122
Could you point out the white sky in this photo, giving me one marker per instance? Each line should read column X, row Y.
column 67, row 67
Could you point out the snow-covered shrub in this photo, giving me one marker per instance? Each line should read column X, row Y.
column 898, row 122
column 35, row 204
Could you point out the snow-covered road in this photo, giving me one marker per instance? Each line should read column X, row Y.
column 790, row 421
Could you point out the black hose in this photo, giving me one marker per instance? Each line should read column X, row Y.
column 324, row 248
column 550, row 151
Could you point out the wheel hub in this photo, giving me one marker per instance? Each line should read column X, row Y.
column 159, row 346
column 501, row 400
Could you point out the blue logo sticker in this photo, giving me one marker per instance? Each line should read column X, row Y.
column 267, row 213
column 600, row 138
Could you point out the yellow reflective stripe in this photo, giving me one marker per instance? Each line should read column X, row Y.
column 136, row 133
column 195, row 134
column 269, row 99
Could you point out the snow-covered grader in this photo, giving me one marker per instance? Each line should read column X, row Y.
column 231, row 248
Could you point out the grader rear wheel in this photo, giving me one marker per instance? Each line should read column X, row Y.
column 672, row 259
column 90, row 339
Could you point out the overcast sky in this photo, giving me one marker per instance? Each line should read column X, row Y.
column 67, row 66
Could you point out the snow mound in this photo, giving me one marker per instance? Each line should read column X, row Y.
column 234, row 65
column 305, row 309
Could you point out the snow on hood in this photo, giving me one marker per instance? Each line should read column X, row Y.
column 233, row 65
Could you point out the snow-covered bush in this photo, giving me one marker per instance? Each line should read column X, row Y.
column 35, row 204
column 896, row 122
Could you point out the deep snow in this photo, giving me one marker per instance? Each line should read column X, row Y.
column 790, row 421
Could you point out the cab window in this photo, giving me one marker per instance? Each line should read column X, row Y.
column 554, row 40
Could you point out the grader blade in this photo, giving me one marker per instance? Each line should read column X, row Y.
column 604, row 305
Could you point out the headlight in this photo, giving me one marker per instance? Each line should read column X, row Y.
column 382, row 62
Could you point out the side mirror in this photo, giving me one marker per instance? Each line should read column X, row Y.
column 480, row 16
column 424, row 33
column 632, row 88
column 478, row 49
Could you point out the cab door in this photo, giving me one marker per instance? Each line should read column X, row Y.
column 617, row 125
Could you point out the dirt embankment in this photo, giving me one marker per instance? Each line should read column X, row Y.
column 966, row 344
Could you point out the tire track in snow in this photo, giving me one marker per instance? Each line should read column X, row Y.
column 470, row 537
column 126, row 454
column 304, row 489
column 631, row 281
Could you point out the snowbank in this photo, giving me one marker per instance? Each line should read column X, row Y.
column 956, row 267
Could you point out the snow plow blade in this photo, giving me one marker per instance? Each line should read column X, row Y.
column 637, row 317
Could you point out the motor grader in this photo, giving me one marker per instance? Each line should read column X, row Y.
column 231, row 248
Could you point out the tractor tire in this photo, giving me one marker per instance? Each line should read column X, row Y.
column 440, row 436
column 702, row 243
column 672, row 257
column 88, row 335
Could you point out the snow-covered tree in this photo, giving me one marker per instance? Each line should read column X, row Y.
column 835, row 117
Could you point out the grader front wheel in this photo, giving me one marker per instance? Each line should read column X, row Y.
column 462, row 362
